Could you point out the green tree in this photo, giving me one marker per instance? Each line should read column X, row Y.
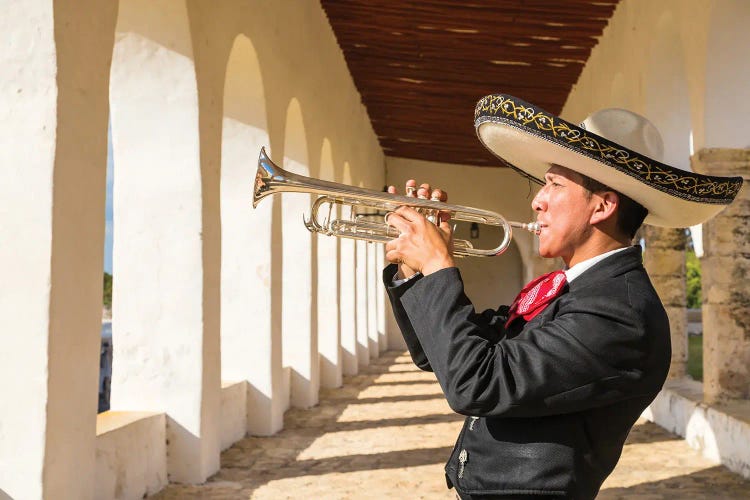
column 693, row 276
column 107, row 290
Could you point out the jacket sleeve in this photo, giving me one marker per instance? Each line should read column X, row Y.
column 584, row 353
column 402, row 319
column 490, row 321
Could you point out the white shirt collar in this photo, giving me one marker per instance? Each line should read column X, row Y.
column 578, row 269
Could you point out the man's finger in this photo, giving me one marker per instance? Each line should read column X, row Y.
column 439, row 194
column 396, row 220
column 407, row 213
column 411, row 188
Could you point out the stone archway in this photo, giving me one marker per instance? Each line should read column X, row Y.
column 160, row 319
column 249, row 350
column 299, row 345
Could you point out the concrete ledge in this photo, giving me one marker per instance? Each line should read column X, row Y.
column 721, row 431
column 131, row 454
column 233, row 412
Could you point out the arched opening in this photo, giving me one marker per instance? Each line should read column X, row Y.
column 105, row 353
column 299, row 346
column 249, row 351
column 161, row 321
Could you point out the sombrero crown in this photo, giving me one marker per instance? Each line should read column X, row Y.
column 616, row 147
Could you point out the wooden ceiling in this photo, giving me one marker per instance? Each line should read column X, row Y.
column 422, row 65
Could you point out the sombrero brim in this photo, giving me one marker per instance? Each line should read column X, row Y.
column 530, row 140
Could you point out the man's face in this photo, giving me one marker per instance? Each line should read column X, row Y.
column 564, row 210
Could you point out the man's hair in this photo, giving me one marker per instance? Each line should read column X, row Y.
column 630, row 214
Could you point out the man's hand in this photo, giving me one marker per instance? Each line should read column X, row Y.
column 421, row 246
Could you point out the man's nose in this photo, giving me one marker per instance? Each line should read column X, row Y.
column 537, row 204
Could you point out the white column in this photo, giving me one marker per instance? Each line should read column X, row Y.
column 363, row 339
column 249, row 350
column 380, row 298
column 348, row 312
column 329, row 336
column 372, row 304
column 53, row 154
column 299, row 348
column 165, row 333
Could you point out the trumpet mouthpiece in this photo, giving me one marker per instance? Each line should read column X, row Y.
column 529, row 226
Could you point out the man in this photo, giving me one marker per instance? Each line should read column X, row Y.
column 552, row 384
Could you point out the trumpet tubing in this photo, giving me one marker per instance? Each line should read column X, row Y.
column 271, row 179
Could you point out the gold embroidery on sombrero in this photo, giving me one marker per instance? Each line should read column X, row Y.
column 685, row 184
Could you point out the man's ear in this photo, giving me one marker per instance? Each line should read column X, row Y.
column 606, row 203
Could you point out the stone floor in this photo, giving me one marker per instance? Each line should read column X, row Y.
column 387, row 433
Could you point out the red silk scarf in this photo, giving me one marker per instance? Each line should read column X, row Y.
column 536, row 295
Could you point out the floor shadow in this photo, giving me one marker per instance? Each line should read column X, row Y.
column 408, row 382
column 649, row 432
column 713, row 483
column 277, row 457
column 252, row 463
column 358, row 425
column 387, row 399
column 262, row 473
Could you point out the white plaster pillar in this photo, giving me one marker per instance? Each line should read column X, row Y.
column 725, row 267
column 249, row 350
column 348, row 310
column 329, row 336
column 299, row 346
column 53, row 156
column 363, row 338
column 165, row 323
column 372, row 304
column 664, row 259
column 380, row 298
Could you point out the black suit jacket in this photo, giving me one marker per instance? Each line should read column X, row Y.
column 550, row 402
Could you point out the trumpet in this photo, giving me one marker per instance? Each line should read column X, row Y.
column 271, row 179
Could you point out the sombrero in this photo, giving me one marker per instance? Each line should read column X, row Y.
column 616, row 147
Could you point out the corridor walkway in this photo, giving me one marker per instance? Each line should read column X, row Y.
column 387, row 433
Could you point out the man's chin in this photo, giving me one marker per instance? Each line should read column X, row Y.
column 545, row 254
